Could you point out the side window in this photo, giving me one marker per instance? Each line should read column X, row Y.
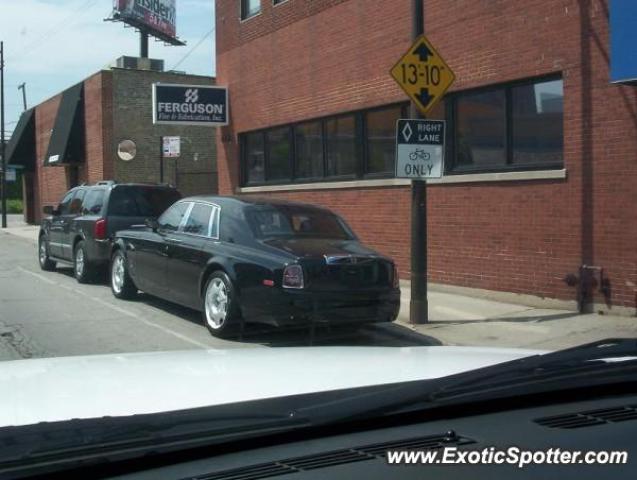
column 198, row 222
column 93, row 202
column 75, row 208
column 215, row 220
column 64, row 205
column 172, row 218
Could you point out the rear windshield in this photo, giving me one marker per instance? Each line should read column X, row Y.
column 141, row 201
column 292, row 221
column 93, row 201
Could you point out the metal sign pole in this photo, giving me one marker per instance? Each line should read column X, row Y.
column 161, row 159
column 418, row 305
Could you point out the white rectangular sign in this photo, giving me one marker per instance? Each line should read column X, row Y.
column 420, row 148
column 172, row 147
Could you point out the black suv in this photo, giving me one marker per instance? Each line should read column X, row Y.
column 79, row 230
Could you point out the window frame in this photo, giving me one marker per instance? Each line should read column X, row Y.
column 61, row 206
column 213, row 220
column 80, row 192
column 451, row 166
column 404, row 113
column 360, row 148
column 362, row 151
column 244, row 14
column 96, row 191
column 180, row 227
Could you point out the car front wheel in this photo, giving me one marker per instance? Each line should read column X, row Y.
column 122, row 285
column 220, row 308
column 45, row 261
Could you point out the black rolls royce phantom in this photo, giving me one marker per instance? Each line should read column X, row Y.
column 256, row 260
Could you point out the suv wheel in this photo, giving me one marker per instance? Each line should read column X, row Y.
column 220, row 309
column 45, row 261
column 82, row 269
column 122, row 285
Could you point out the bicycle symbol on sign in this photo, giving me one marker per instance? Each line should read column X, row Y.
column 419, row 154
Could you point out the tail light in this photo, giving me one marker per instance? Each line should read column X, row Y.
column 99, row 230
column 396, row 277
column 293, row 277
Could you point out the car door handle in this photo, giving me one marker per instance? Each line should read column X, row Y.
column 174, row 241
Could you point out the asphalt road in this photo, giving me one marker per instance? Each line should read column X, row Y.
column 47, row 314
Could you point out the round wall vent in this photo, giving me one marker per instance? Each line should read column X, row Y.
column 126, row 150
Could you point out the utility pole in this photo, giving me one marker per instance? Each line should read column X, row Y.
column 23, row 87
column 2, row 145
column 143, row 44
column 418, row 305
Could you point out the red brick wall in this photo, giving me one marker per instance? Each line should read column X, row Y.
column 304, row 59
column 52, row 182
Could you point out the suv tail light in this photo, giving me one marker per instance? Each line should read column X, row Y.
column 293, row 277
column 99, row 230
column 396, row 277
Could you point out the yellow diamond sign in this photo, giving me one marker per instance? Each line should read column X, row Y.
column 423, row 74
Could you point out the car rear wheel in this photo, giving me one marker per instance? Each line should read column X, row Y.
column 83, row 271
column 122, row 285
column 220, row 310
column 45, row 261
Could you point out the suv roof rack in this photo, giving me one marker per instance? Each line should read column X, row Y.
column 106, row 182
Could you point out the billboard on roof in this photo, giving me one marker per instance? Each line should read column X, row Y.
column 157, row 17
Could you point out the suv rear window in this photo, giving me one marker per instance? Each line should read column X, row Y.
column 132, row 201
column 93, row 202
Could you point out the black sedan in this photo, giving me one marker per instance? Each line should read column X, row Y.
column 256, row 260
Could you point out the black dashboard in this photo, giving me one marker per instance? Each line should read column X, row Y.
column 590, row 425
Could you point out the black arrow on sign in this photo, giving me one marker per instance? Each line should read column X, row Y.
column 423, row 52
column 424, row 97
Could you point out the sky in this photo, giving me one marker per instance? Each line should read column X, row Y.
column 54, row 44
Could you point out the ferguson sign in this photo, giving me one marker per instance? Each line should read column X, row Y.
column 190, row 105
column 156, row 16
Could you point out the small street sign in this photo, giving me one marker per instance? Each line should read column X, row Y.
column 420, row 148
column 11, row 175
column 172, row 147
column 423, row 74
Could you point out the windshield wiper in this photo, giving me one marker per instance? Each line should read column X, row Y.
column 603, row 362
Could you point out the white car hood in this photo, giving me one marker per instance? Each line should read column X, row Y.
column 53, row 389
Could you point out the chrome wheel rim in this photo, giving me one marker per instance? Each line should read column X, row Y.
column 43, row 254
column 117, row 273
column 79, row 262
column 216, row 303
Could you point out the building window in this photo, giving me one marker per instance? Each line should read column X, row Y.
column 481, row 129
column 276, row 2
column 380, row 126
column 511, row 127
column 537, row 131
column 505, row 128
column 278, row 159
column 308, row 146
column 249, row 8
column 254, row 158
column 340, row 143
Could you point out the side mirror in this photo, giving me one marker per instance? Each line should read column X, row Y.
column 152, row 224
column 50, row 210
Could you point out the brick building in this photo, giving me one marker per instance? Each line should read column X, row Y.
column 73, row 138
column 538, row 196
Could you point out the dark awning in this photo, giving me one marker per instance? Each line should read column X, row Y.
column 67, row 139
column 21, row 148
